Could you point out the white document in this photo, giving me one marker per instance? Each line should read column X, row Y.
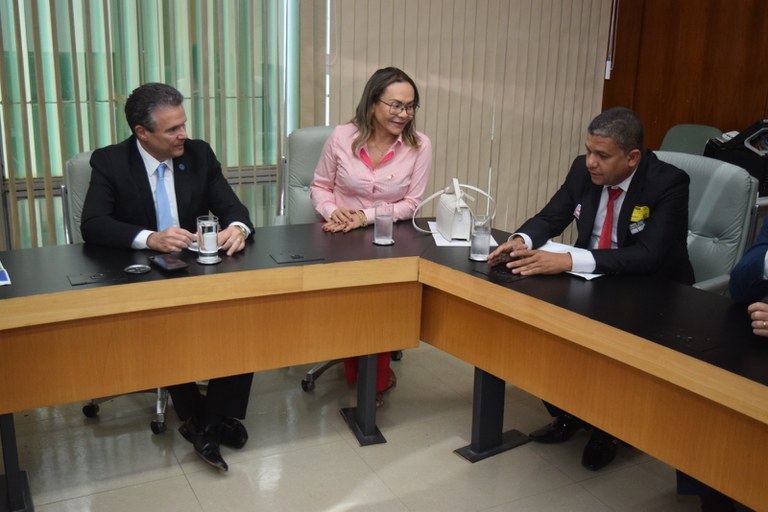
column 5, row 279
column 563, row 248
column 440, row 240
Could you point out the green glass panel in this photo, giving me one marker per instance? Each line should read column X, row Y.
column 108, row 48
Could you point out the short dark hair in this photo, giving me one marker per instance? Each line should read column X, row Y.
column 620, row 124
column 375, row 87
column 144, row 100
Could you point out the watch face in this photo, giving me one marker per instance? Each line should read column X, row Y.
column 137, row 269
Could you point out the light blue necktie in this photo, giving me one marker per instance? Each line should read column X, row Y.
column 164, row 215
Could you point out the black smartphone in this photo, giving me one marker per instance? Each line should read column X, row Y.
column 500, row 273
column 168, row 262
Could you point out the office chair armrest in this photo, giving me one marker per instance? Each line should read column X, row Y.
column 717, row 284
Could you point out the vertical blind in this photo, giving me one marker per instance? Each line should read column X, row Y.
column 507, row 86
column 67, row 67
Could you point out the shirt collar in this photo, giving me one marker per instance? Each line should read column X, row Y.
column 150, row 162
column 624, row 185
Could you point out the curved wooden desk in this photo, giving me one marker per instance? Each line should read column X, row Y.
column 669, row 369
column 246, row 314
column 116, row 339
column 62, row 343
column 702, row 419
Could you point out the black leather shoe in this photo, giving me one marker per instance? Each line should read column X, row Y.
column 232, row 433
column 599, row 452
column 206, row 443
column 207, row 447
column 560, row 430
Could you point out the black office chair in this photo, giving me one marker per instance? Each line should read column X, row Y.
column 304, row 148
column 77, row 177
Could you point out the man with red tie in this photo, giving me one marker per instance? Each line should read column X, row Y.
column 631, row 213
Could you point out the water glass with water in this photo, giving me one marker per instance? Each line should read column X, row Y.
column 480, row 240
column 383, row 225
column 207, row 240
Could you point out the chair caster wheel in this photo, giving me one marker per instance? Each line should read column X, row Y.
column 307, row 385
column 158, row 427
column 91, row 410
column 396, row 355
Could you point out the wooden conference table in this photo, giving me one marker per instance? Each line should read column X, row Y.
column 671, row 370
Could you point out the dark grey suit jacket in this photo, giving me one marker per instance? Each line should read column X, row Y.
column 747, row 283
column 657, row 245
column 119, row 202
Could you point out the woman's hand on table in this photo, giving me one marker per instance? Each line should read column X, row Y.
column 345, row 219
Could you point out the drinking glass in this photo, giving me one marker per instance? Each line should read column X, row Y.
column 383, row 224
column 480, row 240
column 207, row 240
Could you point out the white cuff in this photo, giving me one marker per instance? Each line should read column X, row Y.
column 583, row 261
column 765, row 267
column 140, row 242
column 526, row 239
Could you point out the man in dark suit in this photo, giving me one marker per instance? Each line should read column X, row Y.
column 146, row 193
column 631, row 212
column 749, row 281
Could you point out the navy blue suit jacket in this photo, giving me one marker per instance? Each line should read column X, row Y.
column 657, row 245
column 119, row 203
column 747, row 283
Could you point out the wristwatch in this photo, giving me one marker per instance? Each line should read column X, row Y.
column 242, row 230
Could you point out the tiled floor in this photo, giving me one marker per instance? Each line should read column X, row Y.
column 301, row 456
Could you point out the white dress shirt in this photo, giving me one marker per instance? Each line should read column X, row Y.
column 582, row 260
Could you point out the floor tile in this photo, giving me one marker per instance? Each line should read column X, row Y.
column 419, row 465
column 572, row 498
column 640, row 488
column 76, row 461
column 167, row 495
column 326, row 477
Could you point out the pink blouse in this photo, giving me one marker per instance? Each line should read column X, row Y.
column 344, row 179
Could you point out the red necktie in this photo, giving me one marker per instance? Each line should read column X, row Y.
column 605, row 234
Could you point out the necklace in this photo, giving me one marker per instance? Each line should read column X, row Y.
column 378, row 149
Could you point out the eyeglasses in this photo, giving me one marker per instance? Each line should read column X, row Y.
column 395, row 108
